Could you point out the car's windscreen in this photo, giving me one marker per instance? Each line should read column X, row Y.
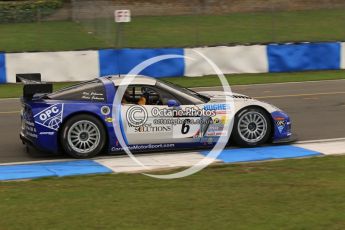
column 187, row 91
column 87, row 91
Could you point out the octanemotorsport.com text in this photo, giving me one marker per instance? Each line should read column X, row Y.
column 182, row 121
column 143, row 147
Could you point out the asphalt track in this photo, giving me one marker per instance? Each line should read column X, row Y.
column 317, row 110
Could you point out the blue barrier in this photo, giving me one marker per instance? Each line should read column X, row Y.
column 302, row 57
column 2, row 68
column 123, row 61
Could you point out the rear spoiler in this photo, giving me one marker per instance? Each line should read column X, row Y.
column 33, row 85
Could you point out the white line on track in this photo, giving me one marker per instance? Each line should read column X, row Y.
column 321, row 141
column 9, row 112
column 36, row 162
column 275, row 83
column 9, row 99
column 300, row 95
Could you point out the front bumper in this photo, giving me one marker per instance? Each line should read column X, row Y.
column 287, row 140
column 282, row 127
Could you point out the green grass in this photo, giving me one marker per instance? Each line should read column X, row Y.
column 176, row 31
column 316, row 25
column 15, row 90
column 289, row 194
column 46, row 36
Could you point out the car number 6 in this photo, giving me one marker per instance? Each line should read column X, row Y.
column 185, row 126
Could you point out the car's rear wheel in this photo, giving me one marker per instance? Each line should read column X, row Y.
column 252, row 127
column 83, row 136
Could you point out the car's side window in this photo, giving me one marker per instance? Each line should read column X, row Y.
column 92, row 91
column 133, row 95
column 165, row 97
column 146, row 95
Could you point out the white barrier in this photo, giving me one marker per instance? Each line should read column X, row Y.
column 230, row 60
column 342, row 56
column 54, row 66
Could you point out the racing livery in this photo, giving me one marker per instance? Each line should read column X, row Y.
column 153, row 115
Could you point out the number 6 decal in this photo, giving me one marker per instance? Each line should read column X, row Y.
column 185, row 126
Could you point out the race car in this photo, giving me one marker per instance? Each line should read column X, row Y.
column 153, row 115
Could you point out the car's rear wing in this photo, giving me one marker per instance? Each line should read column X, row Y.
column 33, row 85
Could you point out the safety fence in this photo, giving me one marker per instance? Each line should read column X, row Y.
column 189, row 62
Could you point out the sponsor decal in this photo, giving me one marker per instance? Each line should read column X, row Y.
column 216, row 120
column 105, row 110
column 93, row 96
column 109, row 120
column 220, row 120
column 47, row 133
column 29, row 129
column 51, row 117
column 143, row 147
column 280, row 125
column 152, row 129
column 217, row 107
column 215, row 128
column 279, row 118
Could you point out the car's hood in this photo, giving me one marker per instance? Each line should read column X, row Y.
column 220, row 96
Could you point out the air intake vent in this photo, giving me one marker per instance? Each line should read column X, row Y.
column 241, row 97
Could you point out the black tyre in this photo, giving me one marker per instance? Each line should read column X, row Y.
column 83, row 136
column 252, row 127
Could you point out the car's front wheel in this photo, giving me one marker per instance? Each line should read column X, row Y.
column 252, row 127
column 83, row 136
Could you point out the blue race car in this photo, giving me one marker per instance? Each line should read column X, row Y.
column 79, row 121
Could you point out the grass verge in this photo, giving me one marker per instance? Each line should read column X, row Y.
column 176, row 31
column 15, row 90
column 289, row 194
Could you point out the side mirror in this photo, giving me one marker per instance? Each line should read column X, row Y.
column 173, row 103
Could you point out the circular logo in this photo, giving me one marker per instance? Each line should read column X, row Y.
column 137, row 115
column 105, row 110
